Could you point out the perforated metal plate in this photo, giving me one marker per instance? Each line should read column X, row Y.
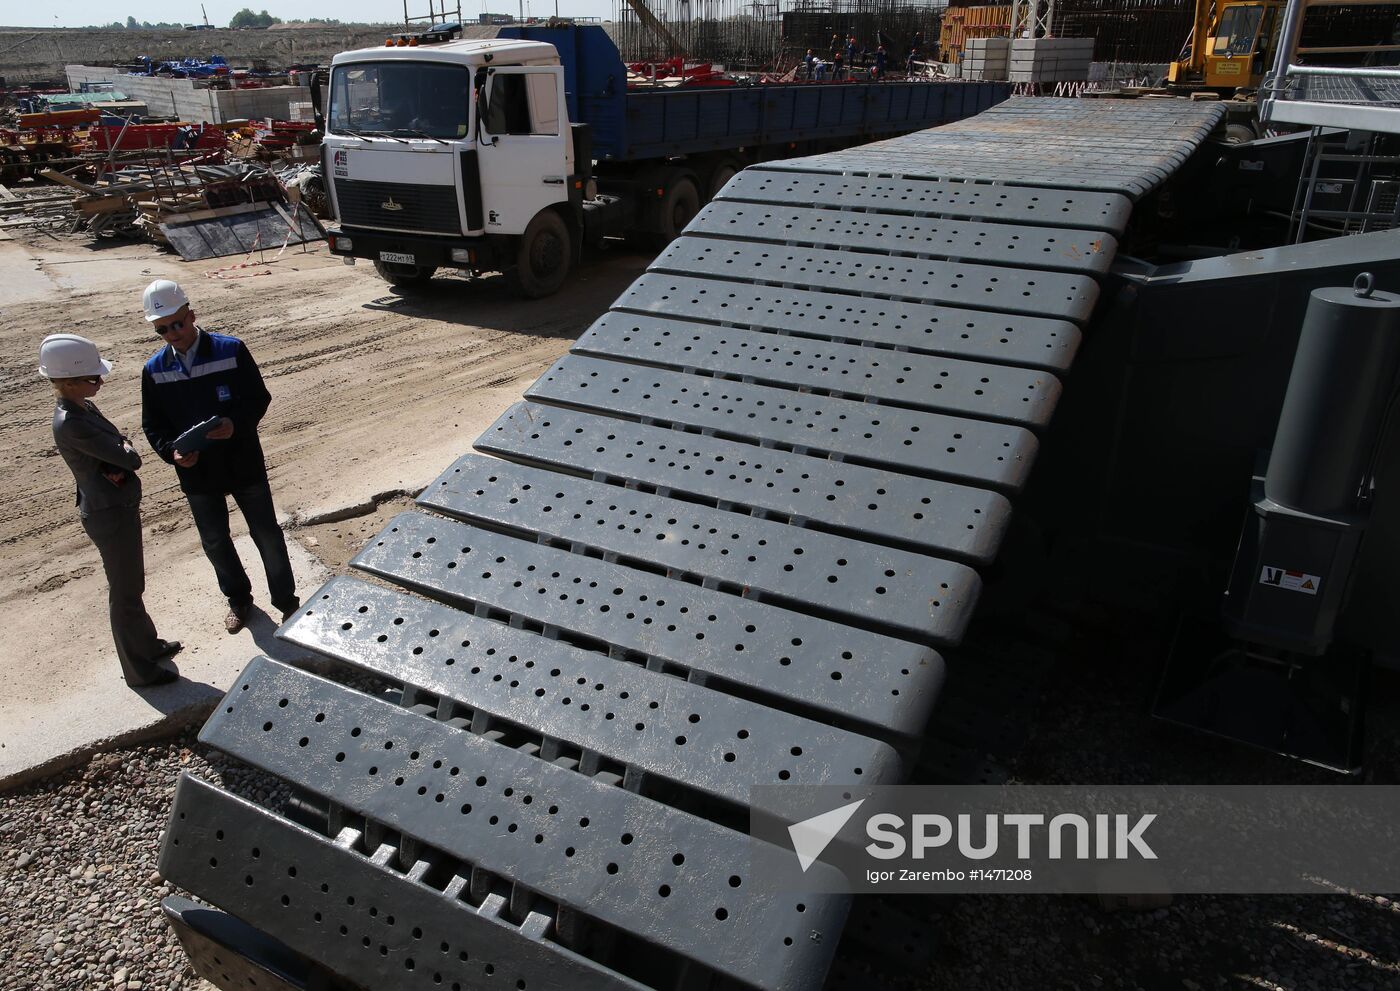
column 979, row 163
column 829, row 576
column 580, row 706
column 1111, row 145
column 934, row 198
column 633, row 863
column 795, row 660
column 229, row 953
column 931, row 444
column 1055, row 248
column 1015, row 395
column 354, row 911
column 959, row 333
column 869, row 503
column 1006, row 290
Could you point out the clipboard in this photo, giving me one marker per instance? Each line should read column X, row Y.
column 197, row 437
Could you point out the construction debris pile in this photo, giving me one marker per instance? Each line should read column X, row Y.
column 38, row 208
column 200, row 188
column 271, row 140
column 197, row 205
column 197, row 193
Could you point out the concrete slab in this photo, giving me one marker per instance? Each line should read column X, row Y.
column 25, row 280
column 52, row 715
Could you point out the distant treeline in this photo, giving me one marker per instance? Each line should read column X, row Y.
column 245, row 18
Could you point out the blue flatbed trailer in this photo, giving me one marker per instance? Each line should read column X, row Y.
column 631, row 125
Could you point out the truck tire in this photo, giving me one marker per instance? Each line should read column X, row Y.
column 678, row 206
column 544, row 257
column 721, row 174
column 405, row 276
column 1238, row 134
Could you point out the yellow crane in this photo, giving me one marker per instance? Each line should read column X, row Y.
column 1232, row 44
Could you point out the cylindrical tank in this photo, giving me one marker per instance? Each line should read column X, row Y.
column 1343, row 377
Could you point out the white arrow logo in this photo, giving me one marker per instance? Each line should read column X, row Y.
column 811, row 836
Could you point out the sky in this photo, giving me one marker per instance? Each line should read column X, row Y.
column 80, row 13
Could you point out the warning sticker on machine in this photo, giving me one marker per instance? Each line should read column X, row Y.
column 1293, row 581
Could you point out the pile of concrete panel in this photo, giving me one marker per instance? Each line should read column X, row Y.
column 1050, row 60
column 986, row 58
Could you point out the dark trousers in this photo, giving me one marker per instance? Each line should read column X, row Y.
column 117, row 534
column 211, row 518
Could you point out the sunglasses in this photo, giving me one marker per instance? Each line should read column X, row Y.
column 90, row 380
column 172, row 326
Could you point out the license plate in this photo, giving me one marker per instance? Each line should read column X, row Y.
column 398, row 258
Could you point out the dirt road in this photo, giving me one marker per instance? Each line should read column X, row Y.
column 372, row 392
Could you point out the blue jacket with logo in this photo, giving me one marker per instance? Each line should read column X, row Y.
column 223, row 380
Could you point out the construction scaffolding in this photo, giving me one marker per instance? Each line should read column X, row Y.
column 1124, row 31
column 899, row 25
column 773, row 36
column 963, row 24
column 1145, row 32
column 740, row 35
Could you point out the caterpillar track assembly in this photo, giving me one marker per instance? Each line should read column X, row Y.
column 735, row 537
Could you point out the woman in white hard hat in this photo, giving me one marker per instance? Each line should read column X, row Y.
column 104, row 465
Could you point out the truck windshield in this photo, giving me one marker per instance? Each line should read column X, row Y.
column 412, row 99
column 1239, row 26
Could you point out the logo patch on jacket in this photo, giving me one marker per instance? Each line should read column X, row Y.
column 224, row 393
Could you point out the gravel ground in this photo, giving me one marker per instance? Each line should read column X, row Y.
column 79, row 906
column 80, row 902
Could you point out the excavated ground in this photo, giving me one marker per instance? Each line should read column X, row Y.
column 373, row 394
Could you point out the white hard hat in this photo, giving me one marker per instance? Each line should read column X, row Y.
column 163, row 298
column 68, row 356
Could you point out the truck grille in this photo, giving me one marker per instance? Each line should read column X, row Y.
column 431, row 209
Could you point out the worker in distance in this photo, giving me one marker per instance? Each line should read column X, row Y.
column 104, row 466
column 202, row 398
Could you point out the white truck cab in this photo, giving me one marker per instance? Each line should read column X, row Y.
column 464, row 140
column 518, row 153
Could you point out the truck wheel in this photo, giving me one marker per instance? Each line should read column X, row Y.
column 681, row 203
column 405, row 276
column 723, row 172
column 544, row 257
column 1238, row 134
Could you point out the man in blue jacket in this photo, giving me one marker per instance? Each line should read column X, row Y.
column 195, row 377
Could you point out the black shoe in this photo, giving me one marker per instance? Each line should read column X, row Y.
column 169, row 648
column 165, row 674
column 237, row 616
column 290, row 610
